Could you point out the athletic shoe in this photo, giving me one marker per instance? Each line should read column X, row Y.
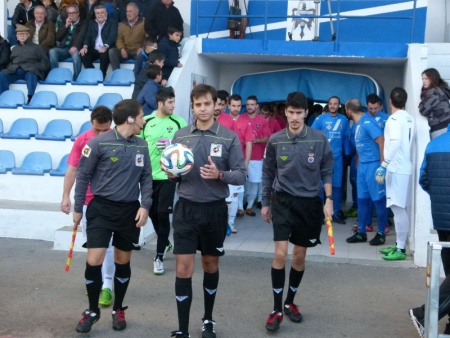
column 396, row 255
column 208, row 329
column 105, row 297
column 388, row 250
column 274, row 321
column 352, row 212
column 379, row 239
column 250, row 212
column 228, row 230
column 341, row 214
column 118, row 317
column 158, row 266
column 168, row 248
column 291, row 310
column 179, row 334
column 369, row 228
column 240, row 213
column 338, row 219
column 357, row 237
column 418, row 323
column 89, row 318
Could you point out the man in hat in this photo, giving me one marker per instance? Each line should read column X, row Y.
column 28, row 62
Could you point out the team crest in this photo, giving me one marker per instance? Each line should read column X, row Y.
column 216, row 150
column 258, row 125
column 311, row 158
column 86, row 151
column 169, row 129
column 329, row 126
column 139, row 162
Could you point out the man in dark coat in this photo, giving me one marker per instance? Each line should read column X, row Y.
column 24, row 12
column 160, row 17
column 5, row 52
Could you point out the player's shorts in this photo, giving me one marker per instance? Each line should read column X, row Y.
column 162, row 196
column 199, row 226
column 338, row 170
column 366, row 184
column 254, row 172
column 297, row 219
column 243, row 5
column 397, row 189
column 106, row 218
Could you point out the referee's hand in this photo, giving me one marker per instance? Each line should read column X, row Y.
column 141, row 217
column 265, row 213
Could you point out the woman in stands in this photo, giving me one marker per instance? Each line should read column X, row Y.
column 434, row 103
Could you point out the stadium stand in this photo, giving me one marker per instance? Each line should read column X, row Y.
column 56, row 130
column 35, row 163
column 43, row 100
column 23, row 128
column 12, row 99
column 89, row 76
column 7, row 161
column 76, row 101
column 109, row 100
column 120, row 77
column 62, row 167
column 58, row 76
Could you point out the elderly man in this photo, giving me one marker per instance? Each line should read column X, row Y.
column 42, row 30
column 101, row 35
column 28, row 62
column 130, row 37
column 70, row 37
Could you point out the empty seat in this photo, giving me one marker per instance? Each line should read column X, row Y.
column 75, row 101
column 84, row 128
column 7, row 161
column 35, row 163
column 1, row 126
column 58, row 76
column 89, row 76
column 62, row 167
column 109, row 100
column 120, row 77
column 43, row 100
column 56, row 130
column 23, row 128
column 12, row 99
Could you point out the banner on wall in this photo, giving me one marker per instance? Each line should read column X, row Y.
column 301, row 28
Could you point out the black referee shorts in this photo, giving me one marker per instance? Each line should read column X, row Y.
column 107, row 218
column 200, row 226
column 297, row 219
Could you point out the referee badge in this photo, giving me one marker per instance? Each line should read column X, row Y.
column 311, row 158
column 216, row 150
column 86, row 151
column 139, row 160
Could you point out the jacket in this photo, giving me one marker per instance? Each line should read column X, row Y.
column 77, row 38
column 21, row 16
column 170, row 50
column 46, row 33
column 131, row 37
column 159, row 18
column 147, row 97
column 435, row 107
column 5, row 53
column 435, row 179
column 109, row 33
column 30, row 57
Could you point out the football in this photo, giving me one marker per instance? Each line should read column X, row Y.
column 177, row 159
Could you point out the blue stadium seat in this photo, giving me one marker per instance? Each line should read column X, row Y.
column 89, row 76
column 120, row 77
column 58, row 76
column 109, row 100
column 76, row 101
column 84, row 128
column 35, row 163
column 12, row 99
column 23, row 128
column 1, row 126
column 43, row 100
column 7, row 161
column 56, row 130
column 62, row 167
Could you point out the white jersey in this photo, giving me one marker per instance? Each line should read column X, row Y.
column 398, row 137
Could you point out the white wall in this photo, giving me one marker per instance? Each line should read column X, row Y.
column 437, row 14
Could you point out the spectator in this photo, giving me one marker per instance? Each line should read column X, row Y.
column 434, row 103
column 130, row 37
column 42, row 30
column 100, row 36
column 160, row 18
column 5, row 52
column 169, row 46
column 28, row 62
column 142, row 59
column 51, row 9
column 147, row 96
column 24, row 12
column 155, row 58
column 70, row 37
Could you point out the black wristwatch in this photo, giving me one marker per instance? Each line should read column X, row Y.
column 329, row 197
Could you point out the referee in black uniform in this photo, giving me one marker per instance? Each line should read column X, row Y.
column 200, row 218
column 117, row 165
column 298, row 159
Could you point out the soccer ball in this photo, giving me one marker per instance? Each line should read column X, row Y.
column 177, row 159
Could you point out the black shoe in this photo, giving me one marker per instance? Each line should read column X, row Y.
column 379, row 239
column 118, row 317
column 341, row 214
column 89, row 318
column 417, row 317
column 357, row 237
column 179, row 334
column 274, row 321
column 259, row 205
column 291, row 310
column 338, row 219
column 208, row 329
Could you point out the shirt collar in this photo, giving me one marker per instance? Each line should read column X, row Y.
column 213, row 129
column 302, row 134
column 119, row 136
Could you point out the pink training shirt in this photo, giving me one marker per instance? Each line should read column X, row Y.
column 260, row 129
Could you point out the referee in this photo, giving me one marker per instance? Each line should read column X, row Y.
column 117, row 165
column 298, row 159
column 200, row 215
